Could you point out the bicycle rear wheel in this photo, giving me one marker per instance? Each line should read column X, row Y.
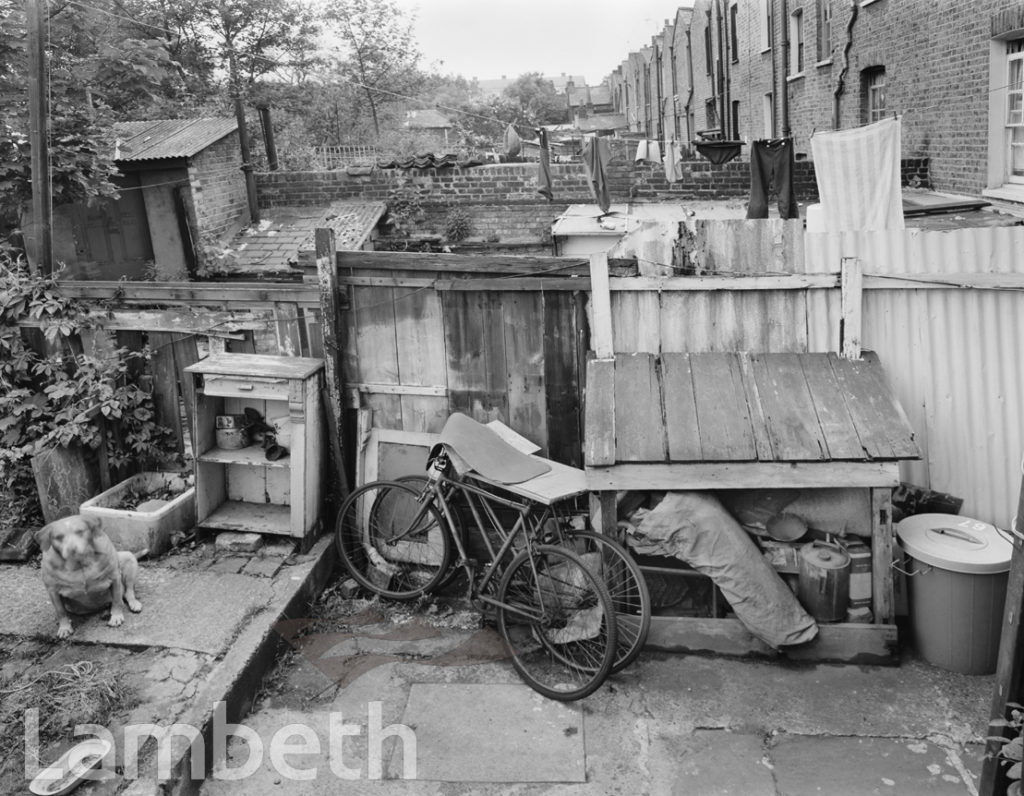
column 391, row 542
column 626, row 585
column 557, row 619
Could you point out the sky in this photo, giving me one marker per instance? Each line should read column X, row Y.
column 490, row 38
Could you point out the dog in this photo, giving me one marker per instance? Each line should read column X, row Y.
column 84, row 573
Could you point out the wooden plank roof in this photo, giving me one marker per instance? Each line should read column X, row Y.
column 741, row 407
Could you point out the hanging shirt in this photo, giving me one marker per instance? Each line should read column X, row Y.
column 544, row 172
column 673, row 161
column 648, row 152
column 513, row 144
column 596, row 156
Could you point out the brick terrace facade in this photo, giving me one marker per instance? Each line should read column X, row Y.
column 941, row 63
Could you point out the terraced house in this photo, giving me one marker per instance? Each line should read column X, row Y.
column 751, row 69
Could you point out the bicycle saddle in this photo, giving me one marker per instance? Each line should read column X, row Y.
column 485, row 453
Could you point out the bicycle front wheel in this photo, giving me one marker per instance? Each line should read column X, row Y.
column 393, row 540
column 626, row 586
column 556, row 617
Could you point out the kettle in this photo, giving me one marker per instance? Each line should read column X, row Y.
column 824, row 580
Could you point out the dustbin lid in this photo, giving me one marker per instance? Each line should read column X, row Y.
column 955, row 543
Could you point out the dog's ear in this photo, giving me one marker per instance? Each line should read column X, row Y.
column 93, row 525
column 44, row 536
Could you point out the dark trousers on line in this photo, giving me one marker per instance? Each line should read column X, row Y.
column 771, row 165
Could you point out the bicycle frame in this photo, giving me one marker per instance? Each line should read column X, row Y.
column 482, row 504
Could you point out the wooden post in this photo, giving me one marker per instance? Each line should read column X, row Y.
column 327, row 275
column 1009, row 664
column 35, row 14
column 600, row 294
column 851, row 280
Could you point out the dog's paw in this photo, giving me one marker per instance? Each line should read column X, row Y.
column 116, row 619
column 64, row 629
column 134, row 606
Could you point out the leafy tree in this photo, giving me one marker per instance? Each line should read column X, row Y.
column 380, row 55
column 536, row 99
column 96, row 74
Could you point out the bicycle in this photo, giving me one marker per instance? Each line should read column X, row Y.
column 625, row 581
column 555, row 615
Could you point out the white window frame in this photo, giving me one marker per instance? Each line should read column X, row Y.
column 797, row 55
column 764, row 12
column 1013, row 119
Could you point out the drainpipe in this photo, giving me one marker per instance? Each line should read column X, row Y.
column 689, row 91
column 724, row 23
column 721, row 73
column 268, row 137
column 841, row 81
column 786, row 132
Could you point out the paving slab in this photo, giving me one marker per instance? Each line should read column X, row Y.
column 865, row 767
column 494, row 733
column 715, row 763
column 198, row 611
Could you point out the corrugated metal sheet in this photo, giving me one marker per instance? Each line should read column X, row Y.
column 168, row 138
column 952, row 355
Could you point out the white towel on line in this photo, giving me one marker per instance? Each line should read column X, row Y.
column 858, row 174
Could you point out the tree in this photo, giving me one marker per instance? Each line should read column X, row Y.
column 380, row 54
column 96, row 73
column 537, row 100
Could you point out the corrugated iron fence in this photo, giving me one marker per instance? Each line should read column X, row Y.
column 943, row 309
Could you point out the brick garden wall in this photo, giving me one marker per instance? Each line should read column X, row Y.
column 218, row 189
column 502, row 200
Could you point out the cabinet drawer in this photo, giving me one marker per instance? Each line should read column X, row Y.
column 246, row 387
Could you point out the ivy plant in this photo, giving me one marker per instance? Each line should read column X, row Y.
column 62, row 396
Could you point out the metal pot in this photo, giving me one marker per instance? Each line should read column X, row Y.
column 824, row 581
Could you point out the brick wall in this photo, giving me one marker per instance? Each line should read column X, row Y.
column 502, row 200
column 218, row 189
column 936, row 61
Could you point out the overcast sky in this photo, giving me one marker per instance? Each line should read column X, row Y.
column 490, row 38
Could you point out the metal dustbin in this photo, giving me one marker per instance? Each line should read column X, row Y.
column 957, row 570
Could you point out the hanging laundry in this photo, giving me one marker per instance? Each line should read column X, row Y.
column 858, row 174
column 648, row 152
column 596, row 155
column 513, row 144
column 544, row 172
column 771, row 166
column 719, row 152
column 673, row 161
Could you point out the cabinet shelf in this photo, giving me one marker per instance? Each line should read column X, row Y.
column 254, row 456
column 238, row 515
column 240, row 489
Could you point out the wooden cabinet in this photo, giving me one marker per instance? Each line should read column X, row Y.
column 241, row 489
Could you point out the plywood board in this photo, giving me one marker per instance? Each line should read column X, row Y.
column 390, row 453
column 422, row 361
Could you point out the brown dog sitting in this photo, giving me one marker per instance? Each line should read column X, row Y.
column 84, row 573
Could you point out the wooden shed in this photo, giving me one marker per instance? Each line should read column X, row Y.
column 744, row 421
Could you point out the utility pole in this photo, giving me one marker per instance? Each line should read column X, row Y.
column 38, row 114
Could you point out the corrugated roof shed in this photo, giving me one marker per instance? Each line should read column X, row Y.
column 168, row 138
